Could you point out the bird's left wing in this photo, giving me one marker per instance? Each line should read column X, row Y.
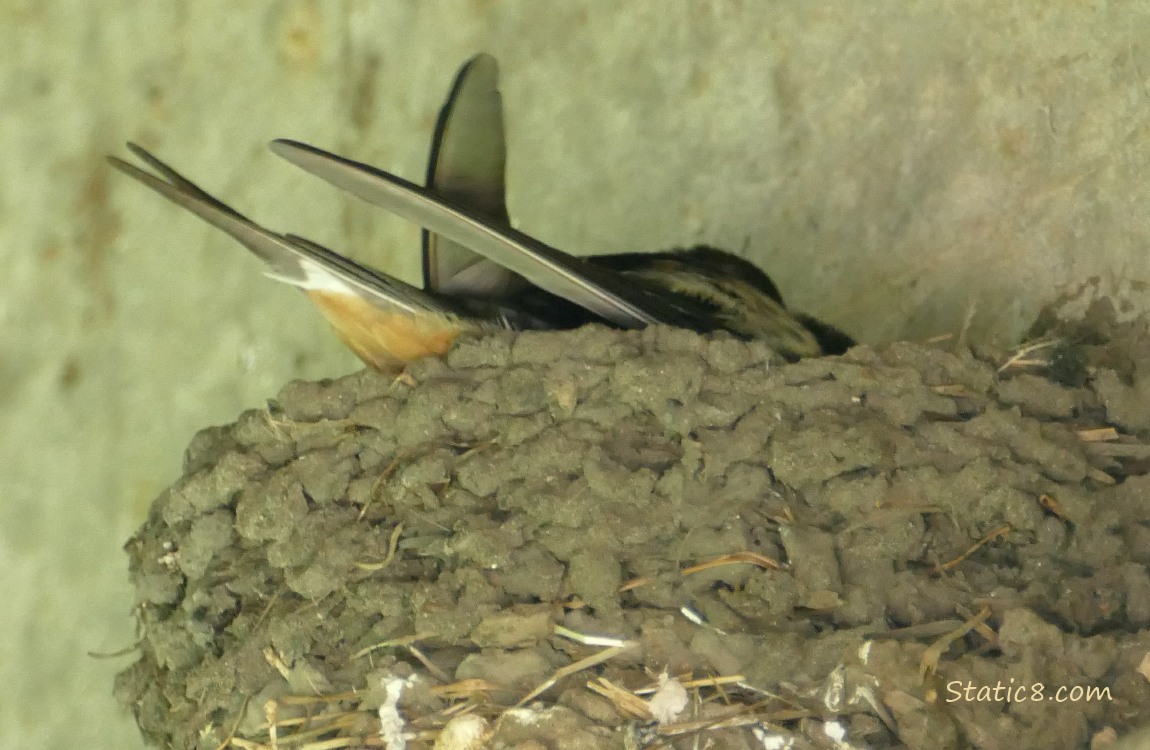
column 625, row 302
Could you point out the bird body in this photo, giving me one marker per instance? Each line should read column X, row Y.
column 479, row 273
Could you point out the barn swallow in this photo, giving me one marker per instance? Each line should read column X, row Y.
column 479, row 273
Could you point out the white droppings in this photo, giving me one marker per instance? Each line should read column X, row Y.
column 527, row 717
column 773, row 740
column 390, row 722
column 668, row 701
column 468, row 732
column 835, row 730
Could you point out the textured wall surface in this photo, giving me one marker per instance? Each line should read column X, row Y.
column 894, row 165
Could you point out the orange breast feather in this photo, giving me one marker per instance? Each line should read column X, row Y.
column 384, row 339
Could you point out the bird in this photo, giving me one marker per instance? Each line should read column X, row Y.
column 480, row 274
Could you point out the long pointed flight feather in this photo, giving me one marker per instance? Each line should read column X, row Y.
column 603, row 292
column 296, row 261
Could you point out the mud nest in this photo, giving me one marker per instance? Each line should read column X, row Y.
column 605, row 539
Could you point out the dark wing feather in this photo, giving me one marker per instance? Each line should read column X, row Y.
column 466, row 166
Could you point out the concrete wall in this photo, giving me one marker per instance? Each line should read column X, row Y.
column 893, row 165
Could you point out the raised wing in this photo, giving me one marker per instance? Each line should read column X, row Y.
column 466, row 166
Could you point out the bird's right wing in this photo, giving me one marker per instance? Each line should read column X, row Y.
column 466, row 166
